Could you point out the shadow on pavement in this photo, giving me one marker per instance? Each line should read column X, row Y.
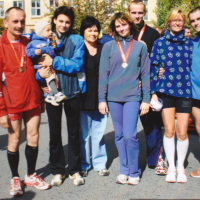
column 27, row 195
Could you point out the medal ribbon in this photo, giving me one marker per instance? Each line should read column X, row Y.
column 141, row 33
column 21, row 61
column 124, row 57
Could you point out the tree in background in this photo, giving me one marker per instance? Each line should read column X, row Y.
column 164, row 6
column 101, row 9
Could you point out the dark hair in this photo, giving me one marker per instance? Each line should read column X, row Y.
column 193, row 10
column 124, row 17
column 88, row 22
column 63, row 10
column 12, row 8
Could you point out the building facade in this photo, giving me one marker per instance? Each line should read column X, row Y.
column 39, row 9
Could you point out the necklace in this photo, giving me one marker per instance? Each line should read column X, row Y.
column 21, row 60
column 124, row 57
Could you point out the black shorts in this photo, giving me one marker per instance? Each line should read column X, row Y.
column 195, row 103
column 182, row 105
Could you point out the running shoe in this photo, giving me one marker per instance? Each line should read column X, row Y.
column 51, row 100
column 59, row 97
column 171, row 176
column 78, row 179
column 104, row 172
column 133, row 180
column 122, row 179
column 16, row 186
column 160, row 168
column 57, row 180
column 181, row 176
column 36, row 181
column 195, row 174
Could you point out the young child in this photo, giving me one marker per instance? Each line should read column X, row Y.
column 44, row 41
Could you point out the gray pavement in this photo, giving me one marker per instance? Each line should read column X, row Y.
column 151, row 186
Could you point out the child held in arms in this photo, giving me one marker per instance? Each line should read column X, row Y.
column 44, row 41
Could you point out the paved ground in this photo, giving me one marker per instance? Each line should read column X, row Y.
column 97, row 187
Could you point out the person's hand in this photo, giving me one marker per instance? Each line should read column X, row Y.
column 45, row 60
column 160, row 72
column 4, row 121
column 45, row 90
column 154, row 97
column 45, row 72
column 140, row 84
column 103, row 108
column 38, row 52
column 144, row 108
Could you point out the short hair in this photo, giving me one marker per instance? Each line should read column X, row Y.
column 88, row 22
column 140, row 2
column 193, row 11
column 123, row 17
column 63, row 10
column 12, row 8
column 172, row 14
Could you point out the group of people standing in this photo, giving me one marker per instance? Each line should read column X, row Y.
column 92, row 79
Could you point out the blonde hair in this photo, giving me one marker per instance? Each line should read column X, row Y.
column 173, row 14
column 138, row 2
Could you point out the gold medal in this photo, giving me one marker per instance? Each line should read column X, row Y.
column 21, row 70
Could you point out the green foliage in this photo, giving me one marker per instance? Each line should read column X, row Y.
column 1, row 26
column 164, row 6
column 101, row 9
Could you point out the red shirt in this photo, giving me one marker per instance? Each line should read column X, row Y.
column 18, row 91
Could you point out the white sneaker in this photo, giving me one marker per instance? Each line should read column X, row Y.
column 57, row 180
column 36, row 181
column 60, row 97
column 171, row 176
column 133, row 180
column 51, row 100
column 78, row 179
column 16, row 186
column 122, row 179
column 181, row 176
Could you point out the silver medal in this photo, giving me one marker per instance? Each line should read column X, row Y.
column 124, row 64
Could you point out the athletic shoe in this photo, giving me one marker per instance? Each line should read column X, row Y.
column 160, row 168
column 51, row 100
column 59, row 97
column 36, row 181
column 84, row 173
column 181, row 176
column 133, row 180
column 78, row 179
column 195, row 174
column 171, row 176
column 122, row 179
column 16, row 186
column 104, row 172
column 57, row 180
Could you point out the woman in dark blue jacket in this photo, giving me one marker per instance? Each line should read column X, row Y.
column 173, row 52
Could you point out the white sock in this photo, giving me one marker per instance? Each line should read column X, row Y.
column 182, row 148
column 169, row 146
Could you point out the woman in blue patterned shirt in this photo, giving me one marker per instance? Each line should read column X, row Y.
column 173, row 52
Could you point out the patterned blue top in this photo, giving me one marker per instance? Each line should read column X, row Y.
column 174, row 54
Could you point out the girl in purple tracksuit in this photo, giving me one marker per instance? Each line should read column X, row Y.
column 124, row 61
